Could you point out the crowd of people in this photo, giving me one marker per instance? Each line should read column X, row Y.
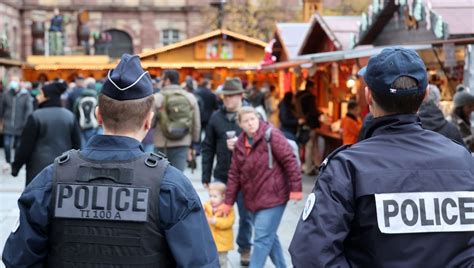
column 256, row 142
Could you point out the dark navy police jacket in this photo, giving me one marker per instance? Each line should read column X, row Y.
column 403, row 197
column 181, row 214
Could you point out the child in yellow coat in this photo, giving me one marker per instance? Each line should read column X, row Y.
column 221, row 227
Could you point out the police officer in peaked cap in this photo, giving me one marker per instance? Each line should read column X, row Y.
column 110, row 204
column 403, row 196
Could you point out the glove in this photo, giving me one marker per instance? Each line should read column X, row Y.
column 296, row 196
column 224, row 209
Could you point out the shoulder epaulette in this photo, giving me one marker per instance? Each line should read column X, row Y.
column 331, row 155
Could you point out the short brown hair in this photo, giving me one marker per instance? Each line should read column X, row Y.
column 124, row 115
column 400, row 103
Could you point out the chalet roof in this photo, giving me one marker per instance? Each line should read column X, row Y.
column 83, row 62
column 291, row 36
column 458, row 14
column 201, row 38
column 339, row 29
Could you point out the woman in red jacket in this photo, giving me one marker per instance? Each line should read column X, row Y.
column 266, row 183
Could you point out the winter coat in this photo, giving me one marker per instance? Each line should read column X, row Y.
column 195, row 133
column 215, row 144
column 222, row 230
column 49, row 131
column 261, row 186
column 465, row 130
column 209, row 103
column 432, row 118
column 15, row 109
column 288, row 121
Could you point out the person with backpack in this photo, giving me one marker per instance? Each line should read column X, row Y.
column 178, row 122
column 209, row 100
column 84, row 110
column 266, row 180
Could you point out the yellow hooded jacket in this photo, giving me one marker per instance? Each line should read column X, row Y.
column 221, row 231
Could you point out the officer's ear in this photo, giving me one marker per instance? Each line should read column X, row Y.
column 149, row 120
column 368, row 97
column 100, row 121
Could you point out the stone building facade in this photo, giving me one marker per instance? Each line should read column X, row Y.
column 133, row 26
column 145, row 24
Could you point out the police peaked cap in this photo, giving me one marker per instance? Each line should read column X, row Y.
column 128, row 81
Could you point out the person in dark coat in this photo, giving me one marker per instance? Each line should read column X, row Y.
column 49, row 131
column 288, row 121
column 16, row 106
column 266, row 180
column 432, row 118
column 209, row 100
column 463, row 106
column 396, row 198
column 75, row 93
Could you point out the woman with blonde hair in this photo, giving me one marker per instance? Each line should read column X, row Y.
column 264, row 168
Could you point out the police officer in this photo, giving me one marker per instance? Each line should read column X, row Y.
column 402, row 197
column 112, row 205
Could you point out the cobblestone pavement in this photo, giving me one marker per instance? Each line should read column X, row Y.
column 11, row 188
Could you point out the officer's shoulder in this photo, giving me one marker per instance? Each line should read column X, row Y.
column 43, row 180
column 340, row 152
column 175, row 181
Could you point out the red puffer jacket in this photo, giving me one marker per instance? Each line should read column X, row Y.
column 261, row 186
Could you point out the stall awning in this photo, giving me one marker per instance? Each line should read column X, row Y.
column 10, row 62
column 337, row 56
column 354, row 53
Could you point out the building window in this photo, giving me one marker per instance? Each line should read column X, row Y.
column 170, row 36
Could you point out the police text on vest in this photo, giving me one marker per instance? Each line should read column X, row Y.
column 101, row 202
column 423, row 212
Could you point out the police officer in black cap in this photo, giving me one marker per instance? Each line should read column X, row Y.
column 402, row 197
column 112, row 205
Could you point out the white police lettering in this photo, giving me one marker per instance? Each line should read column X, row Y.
column 425, row 212
column 308, row 207
column 100, row 202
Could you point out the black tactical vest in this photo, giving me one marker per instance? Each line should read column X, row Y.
column 105, row 213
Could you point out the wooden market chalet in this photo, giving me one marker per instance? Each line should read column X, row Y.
column 215, row 55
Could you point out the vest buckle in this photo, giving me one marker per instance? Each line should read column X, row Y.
column 63, row 158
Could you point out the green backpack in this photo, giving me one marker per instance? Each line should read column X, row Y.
column 176, row 115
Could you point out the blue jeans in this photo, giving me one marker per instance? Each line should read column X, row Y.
column 244, row 236
column 89, row 133
column 10, row 142
column 177, row 156
column 266, row 242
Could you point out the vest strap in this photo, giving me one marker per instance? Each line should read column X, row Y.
column 104, row 240
column 122, row 260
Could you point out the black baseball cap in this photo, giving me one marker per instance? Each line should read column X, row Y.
column 390, row 64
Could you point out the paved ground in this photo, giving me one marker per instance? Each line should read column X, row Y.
column 11, row 188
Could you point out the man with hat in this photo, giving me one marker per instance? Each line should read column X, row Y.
column 110, row 204
column 221, row 135
column 402, row 197
column 463, row 106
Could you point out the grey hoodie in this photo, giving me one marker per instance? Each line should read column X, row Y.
column 14, row 110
